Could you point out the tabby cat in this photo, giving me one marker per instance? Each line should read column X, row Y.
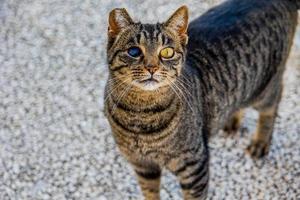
column 171, row 85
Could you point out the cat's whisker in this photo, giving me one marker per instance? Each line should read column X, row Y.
column 185, row 88
column 186, row 100
column 181, row 82
column 113, row 89
column 185, row 80
column 180, row 95
column 174, row 90
column 183, row 93
column 120, row 97
column 181, row 86
column 118, row 82
column 174, row 87
column 112, row 79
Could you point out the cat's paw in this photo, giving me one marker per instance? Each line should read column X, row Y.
column 233, row 124
column 232, row 127
column 258, row 148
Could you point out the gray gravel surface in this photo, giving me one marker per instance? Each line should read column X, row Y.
column 55, row 142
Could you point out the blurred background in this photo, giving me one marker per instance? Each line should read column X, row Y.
column 55, row 142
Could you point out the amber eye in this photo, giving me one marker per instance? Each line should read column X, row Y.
column 167, row 52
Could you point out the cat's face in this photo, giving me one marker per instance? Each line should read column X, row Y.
column 147, row 56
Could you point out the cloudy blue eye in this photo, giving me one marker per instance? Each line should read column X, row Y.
column 134, row 52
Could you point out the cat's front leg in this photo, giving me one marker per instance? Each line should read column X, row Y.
column 193, row 175
column 149, row 180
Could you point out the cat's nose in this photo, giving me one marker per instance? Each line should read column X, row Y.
column 152, row 69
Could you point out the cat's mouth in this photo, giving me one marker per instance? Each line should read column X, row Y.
column 149, row 81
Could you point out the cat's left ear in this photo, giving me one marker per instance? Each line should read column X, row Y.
column 118, row 20
column 179, row 22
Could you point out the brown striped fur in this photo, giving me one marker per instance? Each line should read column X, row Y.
column 162, row 111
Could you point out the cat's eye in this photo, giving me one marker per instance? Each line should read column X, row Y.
column 167, row 53
column 134, row 52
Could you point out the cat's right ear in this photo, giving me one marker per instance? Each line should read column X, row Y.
column 118, row 19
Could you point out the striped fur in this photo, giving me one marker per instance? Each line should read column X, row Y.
column 234, row 59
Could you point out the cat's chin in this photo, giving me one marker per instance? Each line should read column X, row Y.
column 151, row 87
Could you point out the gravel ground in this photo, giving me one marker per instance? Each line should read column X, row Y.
column 54, row 140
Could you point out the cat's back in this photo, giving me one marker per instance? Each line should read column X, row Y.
column 237, row 48
column 234, row 18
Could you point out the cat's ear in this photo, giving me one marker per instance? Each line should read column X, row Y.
column 179, row 21
column 118, row 19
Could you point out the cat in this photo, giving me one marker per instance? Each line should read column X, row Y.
column 173, row 84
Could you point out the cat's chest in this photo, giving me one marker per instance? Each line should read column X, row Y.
column 140, row 121
column 157, row 148
column 144, row 133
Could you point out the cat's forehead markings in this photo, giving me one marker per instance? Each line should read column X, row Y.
column 151, row 31
column 137, row 38
column 142, row 38
column 165, row 40
column 144, row 31
column 157, row 31
column 160, row 38
column 155, row 34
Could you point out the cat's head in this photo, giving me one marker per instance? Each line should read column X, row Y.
column 147, row 56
